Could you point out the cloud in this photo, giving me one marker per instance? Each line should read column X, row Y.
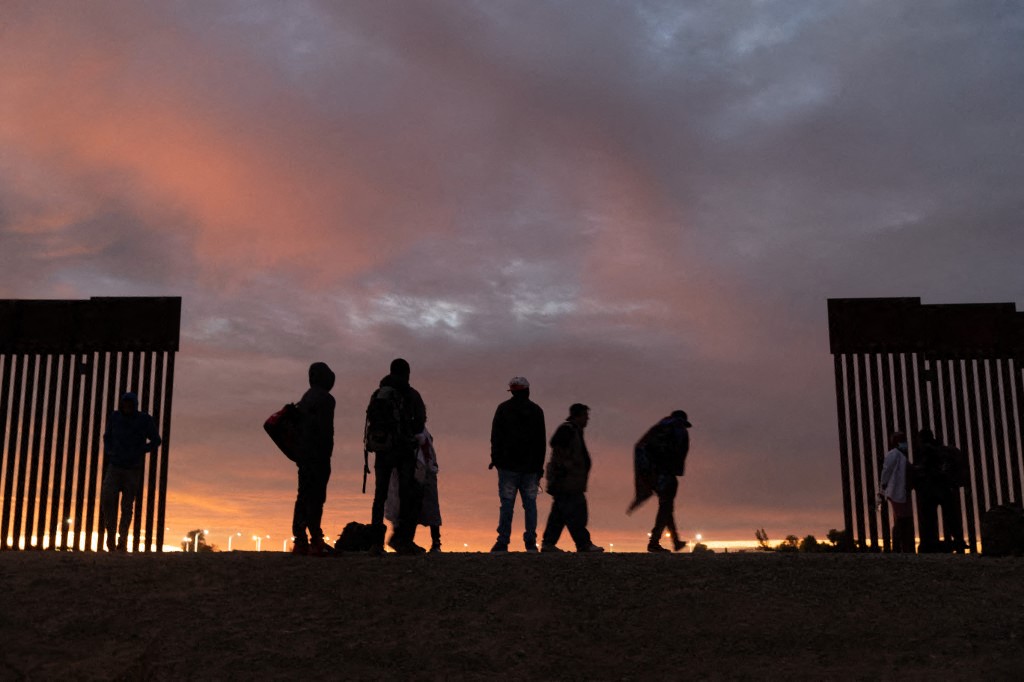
column 641, row 206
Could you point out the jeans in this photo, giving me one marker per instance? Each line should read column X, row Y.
column 568, row 510
column 309, row 502
column 123, row 483
column 526, row 484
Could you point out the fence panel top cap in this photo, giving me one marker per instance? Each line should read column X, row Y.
column 96, row 324
column 903, row 325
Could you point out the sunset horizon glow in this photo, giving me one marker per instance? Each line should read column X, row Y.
column 641, row 206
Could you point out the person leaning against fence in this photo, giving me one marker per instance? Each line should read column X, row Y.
column 130, row 434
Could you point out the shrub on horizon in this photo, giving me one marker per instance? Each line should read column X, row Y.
column 762, row 540
column 810, row 544
column 790, row 544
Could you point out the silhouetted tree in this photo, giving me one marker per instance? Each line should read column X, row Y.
column 841, row 540
column 762, row 540
column 809, row 544
column 701, row 548
column 189, row 545
column 790, row 544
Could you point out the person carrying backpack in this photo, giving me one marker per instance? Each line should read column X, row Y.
column 316, row 444
column 937, row 479
column 395, row 415
column 658, row 458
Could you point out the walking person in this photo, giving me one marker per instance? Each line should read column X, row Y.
column 129, row 435
column 395, row 415
column 567, row 474
column 659, row 458
column 518, row 442
column 894, row 486
column 316, row 445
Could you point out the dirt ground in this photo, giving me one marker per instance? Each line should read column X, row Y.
column 473, row 616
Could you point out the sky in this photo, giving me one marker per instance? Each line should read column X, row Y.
column 642, row 206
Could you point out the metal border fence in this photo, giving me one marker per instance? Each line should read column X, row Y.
column 955, row 369
column 63, row 366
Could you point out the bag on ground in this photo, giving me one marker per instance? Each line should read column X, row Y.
column 355, row 537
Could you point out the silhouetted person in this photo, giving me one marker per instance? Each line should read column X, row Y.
column 894, row 485
column 410, row 418
column 426, row 475
column 935, row 481
column 316, row 410
column 567, row 474
column 658, row 458
column 518, row 442
column 130, row 434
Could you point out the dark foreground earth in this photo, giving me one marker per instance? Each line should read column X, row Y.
column 473, row 616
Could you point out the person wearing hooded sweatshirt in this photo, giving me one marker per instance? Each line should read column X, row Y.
column 129, row 435
column 400, row 456
column 518, row 442
column 316, row 409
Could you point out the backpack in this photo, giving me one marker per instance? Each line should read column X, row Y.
column 284, row 428
column 355, row 537
column 383, row 420
column 954, row 466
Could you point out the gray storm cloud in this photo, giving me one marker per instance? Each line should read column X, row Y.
column 641, row 206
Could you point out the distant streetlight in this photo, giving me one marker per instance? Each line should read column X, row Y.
column 258, row 540
column 612, row 545
column 699, row 537
column 284, row 545
column 232, row 537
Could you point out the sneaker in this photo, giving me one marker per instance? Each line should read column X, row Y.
column 435, row 548
column 678, row 545
column 300, row 548
column 406, row 548
column 553, row 549
column 499, row 548
column 320, row 548
column 655, row 548
column 593, row 549
column 532, row 549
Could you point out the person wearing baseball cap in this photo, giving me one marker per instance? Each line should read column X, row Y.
column 658, row 458
column 568, row 471
column 518, row 438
